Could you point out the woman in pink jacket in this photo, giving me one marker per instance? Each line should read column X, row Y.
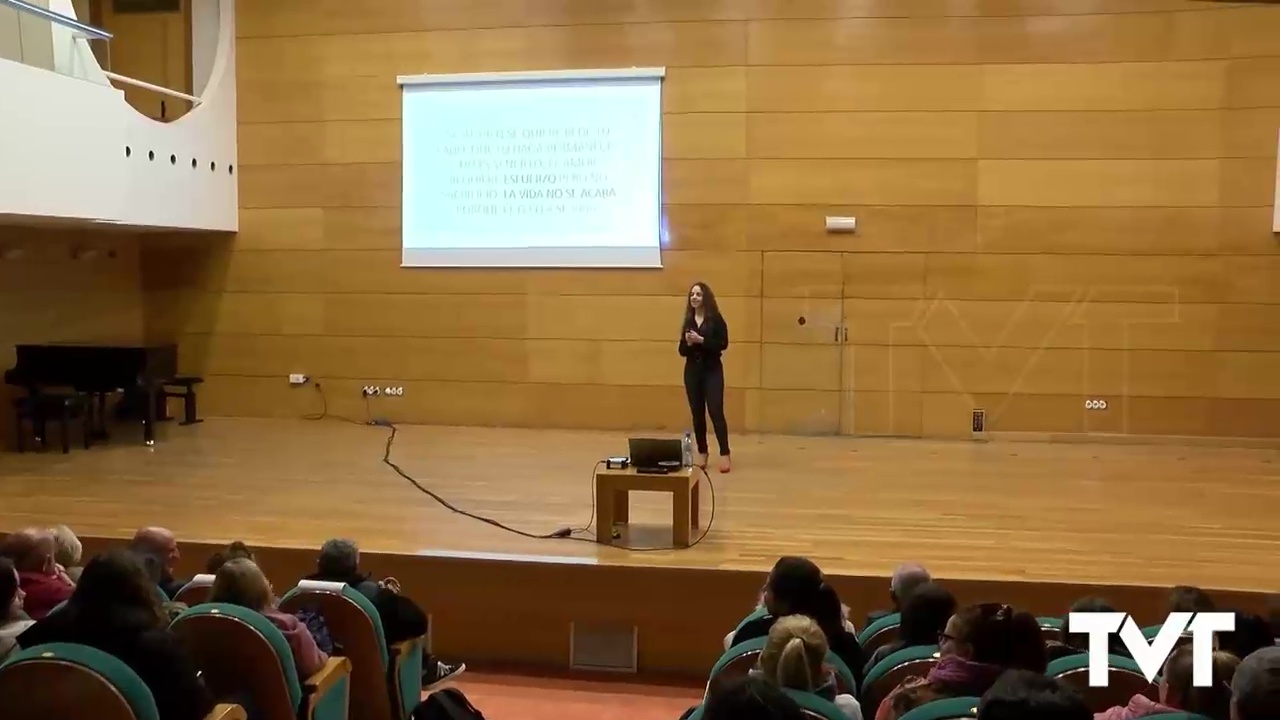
column 241, row 582
column 1177, row 694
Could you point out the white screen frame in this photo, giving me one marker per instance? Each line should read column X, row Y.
column 647, row 256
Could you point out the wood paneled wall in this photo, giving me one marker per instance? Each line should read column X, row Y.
column 1057, row 200
column 48, row 295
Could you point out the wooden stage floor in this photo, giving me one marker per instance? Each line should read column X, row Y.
column 1081, row 513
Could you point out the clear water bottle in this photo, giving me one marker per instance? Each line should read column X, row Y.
column 686, row 449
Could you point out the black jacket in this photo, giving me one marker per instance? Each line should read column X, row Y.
column 402, row 619
column 715, row 340
column 152, row 652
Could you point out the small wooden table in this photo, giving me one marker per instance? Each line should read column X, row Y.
column 612, row 495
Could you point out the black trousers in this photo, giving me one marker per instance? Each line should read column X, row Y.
column 704, row 384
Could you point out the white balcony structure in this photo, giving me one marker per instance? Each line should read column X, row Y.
column 73, row 150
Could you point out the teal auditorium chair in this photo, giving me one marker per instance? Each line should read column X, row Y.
column 814, row 706
column 1050, row 627
column 1124, row 680
column 889, row 672
column 241, row 654
column 959, row 708
column 741, row 659
column 196, row 591
column 755, row 615
column 880, row 633
column 64, row 680
column 386, row 681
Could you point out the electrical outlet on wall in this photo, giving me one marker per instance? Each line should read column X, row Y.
column 296, row 379
column 369, row 390
column 393, row 391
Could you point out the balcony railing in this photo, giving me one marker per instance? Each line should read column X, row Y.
column 35, row 35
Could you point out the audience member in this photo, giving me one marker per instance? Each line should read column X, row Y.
column 402, row 619
column 162, row 543
column 13, row 621
column 1026, row 695
column 796, row 586
column 241, row 582
column 236, row 550
column 979, row 643
column 906, row 578
column 1252, row 633
column 795, row 655
column 924, row 617
column 154, row 565
column 1177, row 694
column 1255, row 689
column 45, row 584
column 1069, row 643
column 751, row 698
column 1188, row 598
column 1273, row 612
column 114, row 609
column 67, row 551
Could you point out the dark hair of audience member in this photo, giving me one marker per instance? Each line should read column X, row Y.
column 236, row 550
column 796, row 586
column 1080, row 641
column 999, row 635
column 925, row 614
column 8, row 587
column 1188, row 598
column 1252, row 633
column 152, row 564
column 1177, row 690
column 750, row 698
column 115, row 588
column 1022, row 695
column 1255, row 689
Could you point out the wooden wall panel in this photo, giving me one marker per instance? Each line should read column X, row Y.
column 1055, row 201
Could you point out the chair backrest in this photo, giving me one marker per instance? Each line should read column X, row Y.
column 1124, row 680
column 814, row 706
column 889, row 672
column 755, row 615
column 355, row 625
column 1050, row 628
column 739, row 660
column 64, row 680
column 956, row 708
column 880, row 633
column 196, row 591
column 736, row 662
column 1151, row 631
column 241, row 654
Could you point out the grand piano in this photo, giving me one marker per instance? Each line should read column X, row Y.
column 99, row 369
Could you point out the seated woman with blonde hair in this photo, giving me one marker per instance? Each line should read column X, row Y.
column 1178, row 694
column 67, row 551
column 241, row 582
column 795, row 655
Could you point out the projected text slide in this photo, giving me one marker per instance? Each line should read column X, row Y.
column 562, row 171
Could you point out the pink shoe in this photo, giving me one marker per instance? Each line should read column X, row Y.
column 725, row 465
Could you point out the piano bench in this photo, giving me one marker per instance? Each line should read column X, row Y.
column 187, row 383
column 61, row 407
